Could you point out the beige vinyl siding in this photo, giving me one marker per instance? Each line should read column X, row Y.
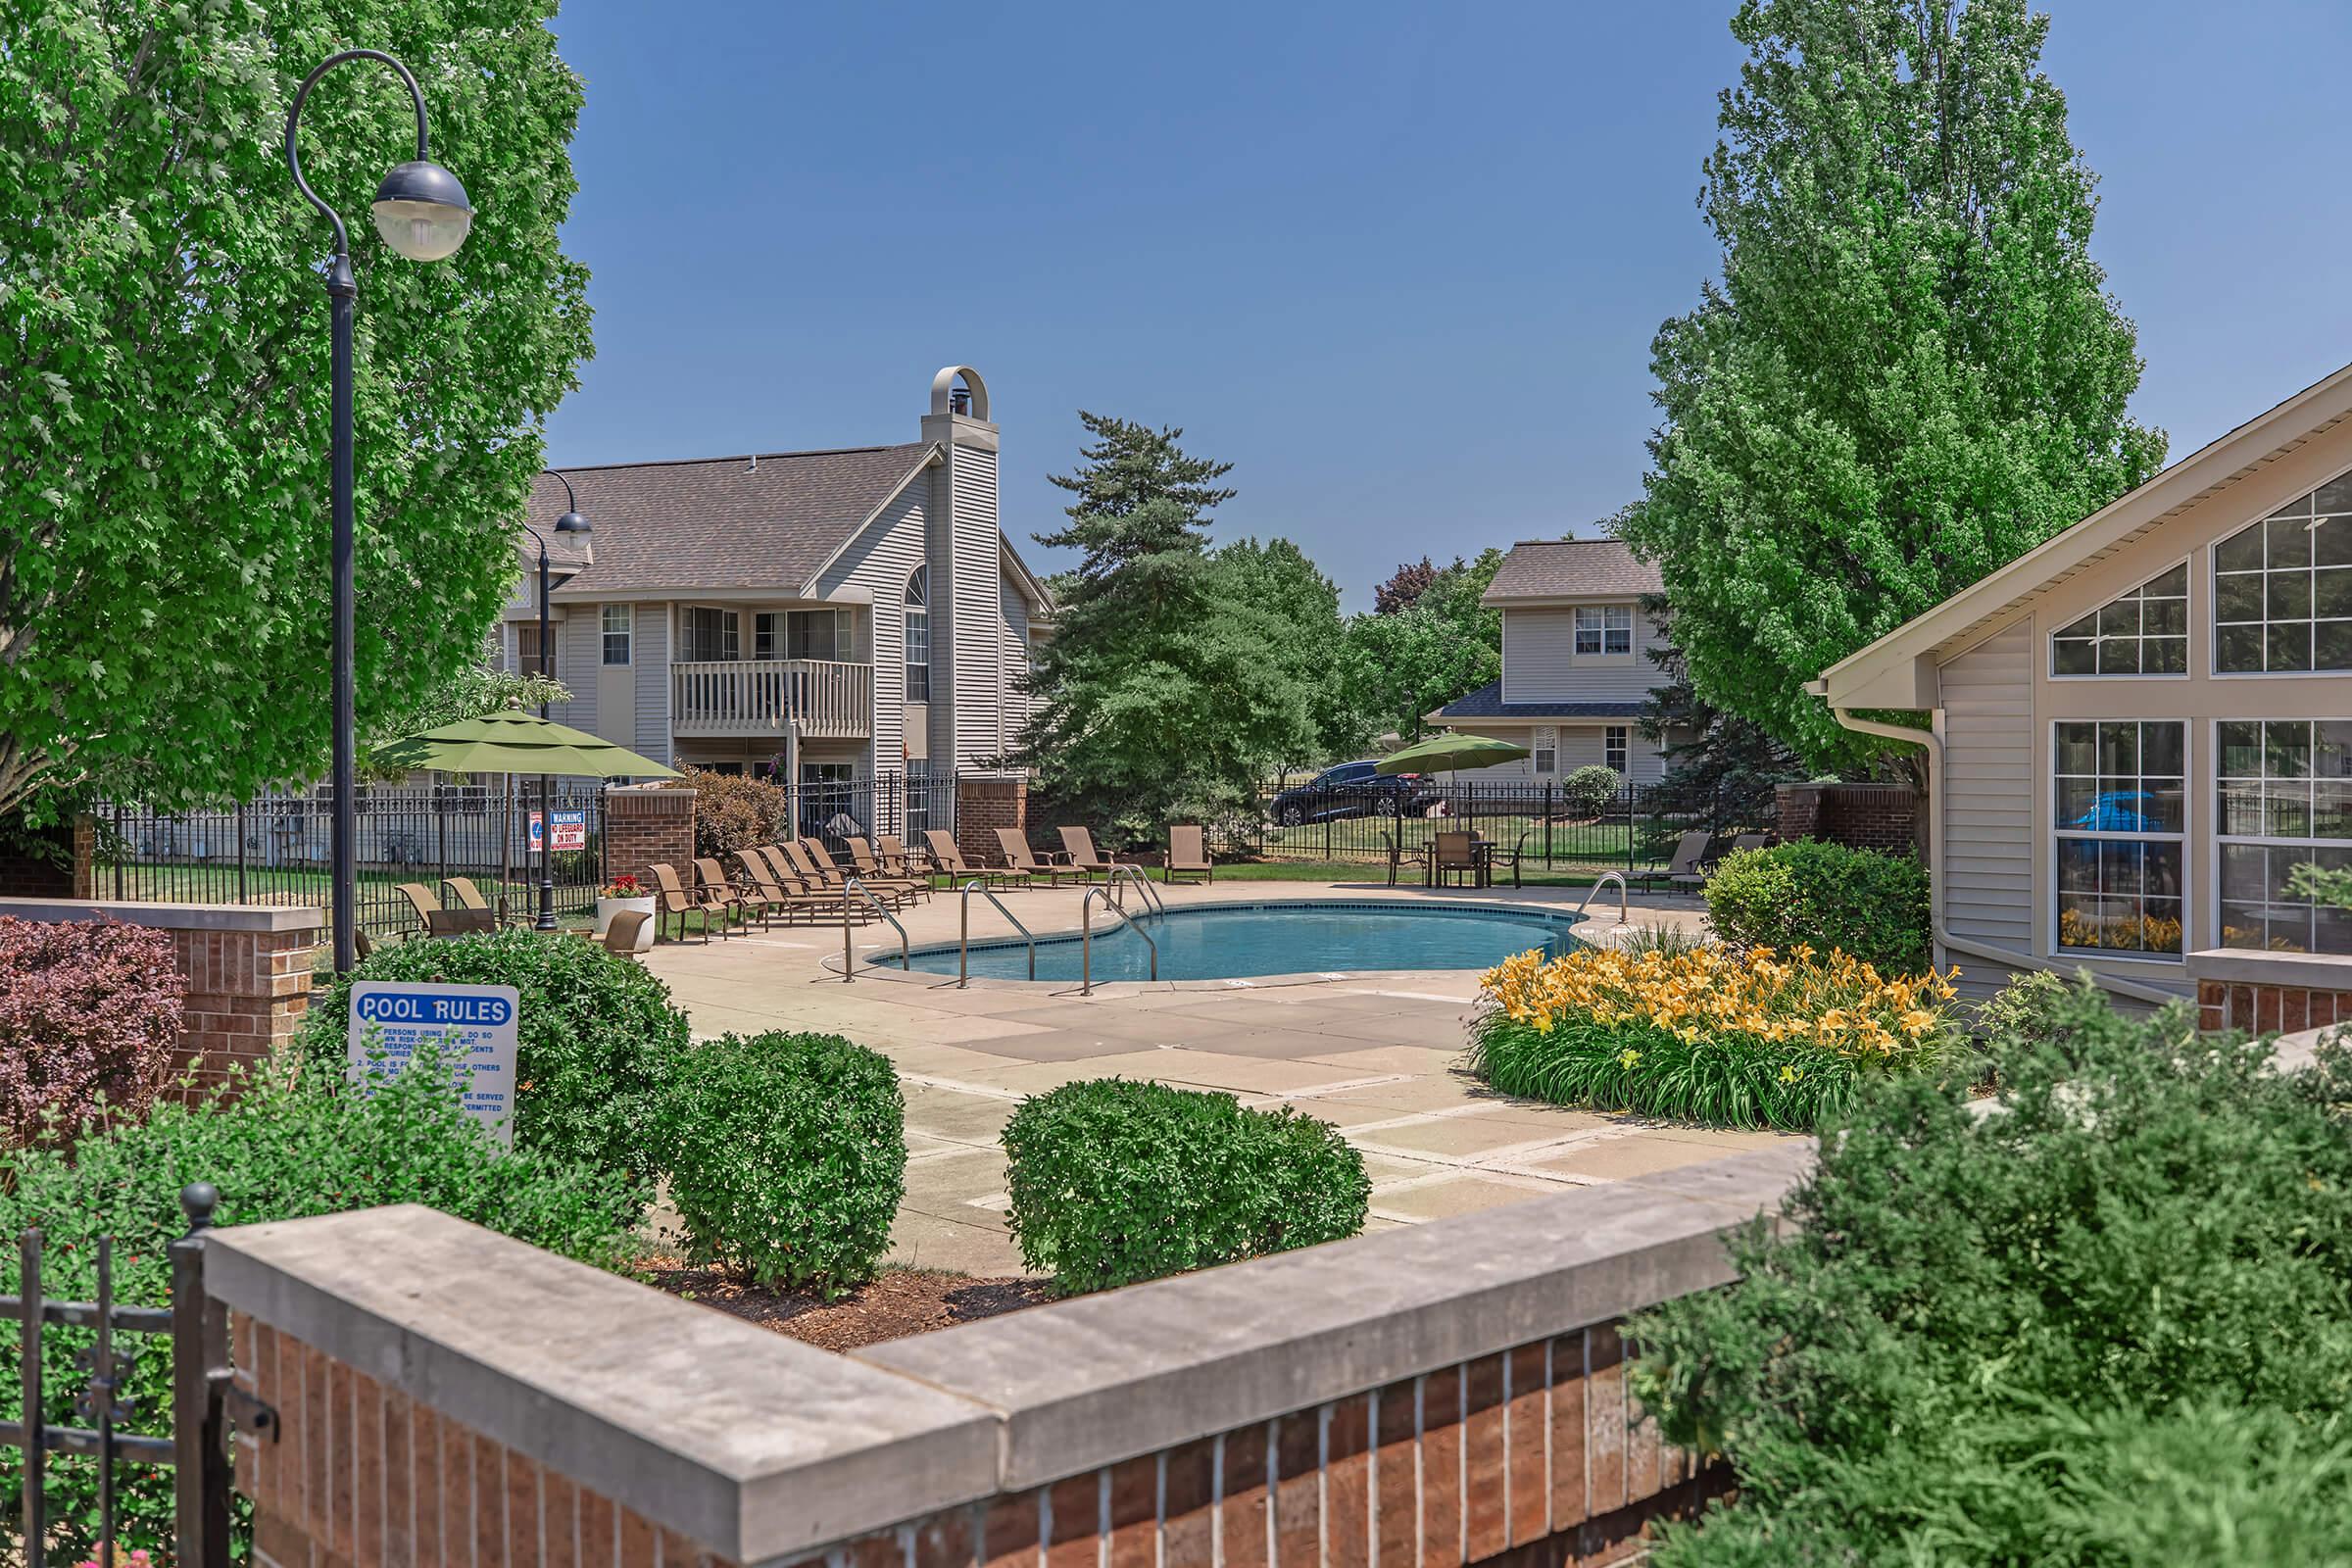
column 1581, row 744
column 1989, row 791
column 649, row 648
column 977, row 635
column 577, row 648
column 879, row 563
column 1015, row 665
column 1539, row 662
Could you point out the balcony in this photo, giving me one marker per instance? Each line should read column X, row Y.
column 761, row 697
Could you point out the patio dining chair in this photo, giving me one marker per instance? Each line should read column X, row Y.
column 1022, row 860
column 1187, row 854
column 1078, row 848
column 1453, row 853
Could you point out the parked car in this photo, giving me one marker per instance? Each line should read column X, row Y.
column 1351, row 788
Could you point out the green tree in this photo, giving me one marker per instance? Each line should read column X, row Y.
column 164, row 360
column 1302, row 606
column 1402, row 664
column 1714, row 760
column 1156, row 687
column 1909, row 372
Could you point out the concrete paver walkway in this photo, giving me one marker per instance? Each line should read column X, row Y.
column 1377, row 1055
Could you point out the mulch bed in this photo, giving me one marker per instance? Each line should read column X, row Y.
column 902, row 1303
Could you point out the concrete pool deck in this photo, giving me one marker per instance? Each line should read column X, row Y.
column 1377, row 1055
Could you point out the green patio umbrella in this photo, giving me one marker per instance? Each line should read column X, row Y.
column 1439, row 752
column 512, row 741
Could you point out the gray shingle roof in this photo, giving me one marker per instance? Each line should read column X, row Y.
column 718, row 522
column 1555, row 568
column 1486, row 703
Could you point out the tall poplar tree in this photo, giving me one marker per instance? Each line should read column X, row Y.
column 1910, row 372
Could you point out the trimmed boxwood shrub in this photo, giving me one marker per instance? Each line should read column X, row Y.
column 1589, row 790
column 1113, row 1182
column 788, row 1158
column 1872, row 907
column 2106, row 1325
column 289, row 1146
column 89, row 1011
column 600, row 1046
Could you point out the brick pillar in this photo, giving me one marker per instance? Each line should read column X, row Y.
column 649, row 827
column 1797, row 808
column 1885, row 817
column 51, row 863
column 985, row 804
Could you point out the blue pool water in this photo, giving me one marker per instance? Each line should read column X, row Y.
column 1220, row 942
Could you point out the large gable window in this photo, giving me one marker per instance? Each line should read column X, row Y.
column 918, row 635
column 2286, row 794
column 2120, row 825
column 2145, row 632
column 2282, row 588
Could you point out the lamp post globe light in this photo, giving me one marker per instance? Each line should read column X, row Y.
column 422, row 212
column 570, row 523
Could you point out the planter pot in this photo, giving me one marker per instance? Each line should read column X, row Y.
column 607, row 909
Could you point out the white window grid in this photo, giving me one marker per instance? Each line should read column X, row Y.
column 2120, row 804
column 2144, row 632
column 2282, row 588
column 1604, row 629
column 1616, row 743
column 2284, row 798
column 618, row 623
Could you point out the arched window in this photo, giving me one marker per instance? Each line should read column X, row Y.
column 918, row 635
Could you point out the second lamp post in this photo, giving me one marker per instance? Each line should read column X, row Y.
column 570, row 523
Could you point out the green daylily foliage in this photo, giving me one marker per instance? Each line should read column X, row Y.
column 1910, row 372
column 164, row 374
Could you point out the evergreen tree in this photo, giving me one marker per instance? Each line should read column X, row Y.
column 1910, row 372
column 1155, row 687
column 1715, row 761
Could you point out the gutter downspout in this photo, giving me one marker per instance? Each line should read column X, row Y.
column 1946, row 944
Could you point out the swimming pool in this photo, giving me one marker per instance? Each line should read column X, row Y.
column 1317, row 936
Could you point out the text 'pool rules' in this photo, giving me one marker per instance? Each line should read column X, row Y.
column 474, row 1028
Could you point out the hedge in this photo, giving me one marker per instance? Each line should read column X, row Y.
column 90, row 1015
column 1113, row 1182
column 734, row 811
column 601, row 1044
column 788, row 1159
column 1872, row 907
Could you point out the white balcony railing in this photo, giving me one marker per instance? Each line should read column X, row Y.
column 761, row 697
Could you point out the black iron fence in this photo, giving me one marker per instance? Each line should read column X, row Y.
column 1636, row 829
column 275, row 849
column 864, row 804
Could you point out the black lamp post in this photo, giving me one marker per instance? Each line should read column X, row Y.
column 422, row 212
column 570, row 523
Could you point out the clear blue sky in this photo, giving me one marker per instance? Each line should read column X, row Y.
column 1399, row 264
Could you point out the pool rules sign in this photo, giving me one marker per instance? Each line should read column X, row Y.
column 472, row 1027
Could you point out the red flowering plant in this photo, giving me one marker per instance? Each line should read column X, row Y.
column 623, row 886
column 90, row 1015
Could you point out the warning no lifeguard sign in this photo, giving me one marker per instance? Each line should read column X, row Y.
column 473, row 1027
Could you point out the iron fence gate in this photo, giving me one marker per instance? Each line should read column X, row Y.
column 274, row 849
column 203, row 1396
column 1634, row 829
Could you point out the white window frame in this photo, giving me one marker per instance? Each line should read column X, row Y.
column 1617, row 742
column 2053, row 921
column 1544, row 751
column 1611, row 627
column 915, row 626
column 2187, row 567
column 617, row 624
column 2213, row 581
column 2308, row 843
column 730, row 632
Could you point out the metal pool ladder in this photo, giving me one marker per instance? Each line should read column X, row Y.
column 964, row 955
column 1086, row 937
column 849, row 962
column 1602, row 881
column 1153, row 903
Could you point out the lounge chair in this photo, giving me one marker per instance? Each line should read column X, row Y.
column 1452, row 854
column 750, row 902
column 470, row 900
column 432, row 920
column 900, row 859
column 1750, row 841
column 1078, row 847
column 948, row 860
column 1187, row 854
column 782, row 891
column 872, row 872
column 672, row 898
column 1022, row 860
column 1685, row 872
column 816, row 868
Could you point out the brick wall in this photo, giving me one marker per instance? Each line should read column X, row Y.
column 248, row 970
column 1864, row 816
column 2268, row 1008
column 985, row 805
column 1538, row 1458
column 649, row 827
column 57, row 868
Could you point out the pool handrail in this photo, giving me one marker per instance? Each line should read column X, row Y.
column 849, row 962
column 1152, row 902
column 1593, row 892
column 964, row 953
column 1086, row 937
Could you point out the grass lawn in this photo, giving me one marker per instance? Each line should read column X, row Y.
column 1377, row 872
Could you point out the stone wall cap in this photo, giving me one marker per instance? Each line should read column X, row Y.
column 752, row 1443
column 2310, row 972
column 1103, row 1378
column 169, row 916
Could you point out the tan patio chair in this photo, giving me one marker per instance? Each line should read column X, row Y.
column 1078, row 847
column 781, row 890
column 750, row 902
column 432, row 920
column 621, row 935
column 1453, row 853
column 872, row 872
column 1685, row 872
column 672, row 898
column 470, row 900
column 1187, row 854
column 1022, row 860
column 816, row 867
column 948, row 858
column 900, row 861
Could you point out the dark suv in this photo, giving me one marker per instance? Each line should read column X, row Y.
column 1351, row 788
